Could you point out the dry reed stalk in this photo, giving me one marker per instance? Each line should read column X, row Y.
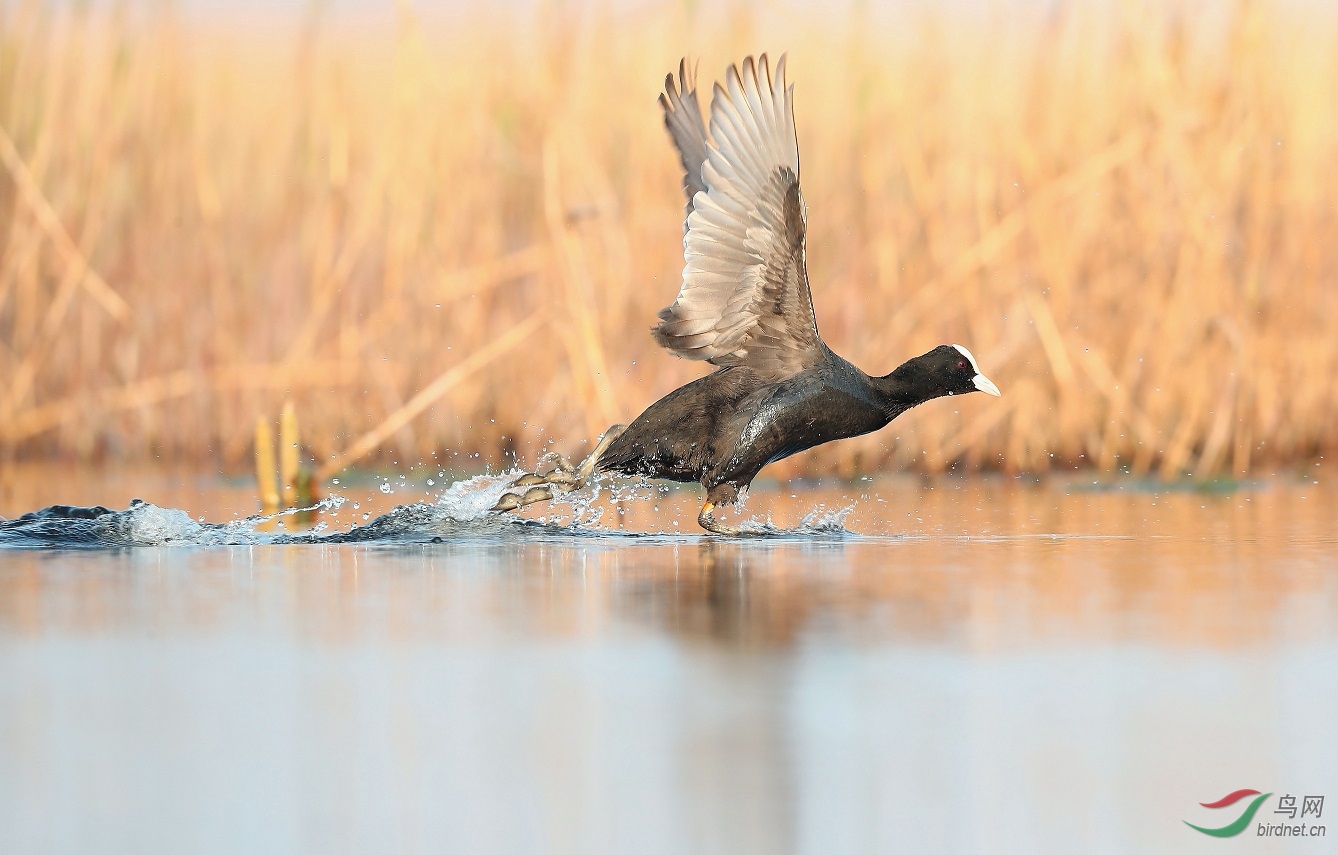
column 290, row 454
column 369, row 441
column 1087, row 199
column 265, row 472
column 582, row 339
column 153, row 391
column 455, row 285
column 85, row 276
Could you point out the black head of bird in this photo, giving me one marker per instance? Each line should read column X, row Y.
column 948, row 369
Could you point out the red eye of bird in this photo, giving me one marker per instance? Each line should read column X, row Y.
column 961, row 363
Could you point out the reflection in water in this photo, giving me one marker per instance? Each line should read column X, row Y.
column 713, row 590
column 993, row 677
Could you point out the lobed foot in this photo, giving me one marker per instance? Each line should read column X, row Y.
column 706, row 520
column 555, row 471
column 720, row 494
column 514, row 501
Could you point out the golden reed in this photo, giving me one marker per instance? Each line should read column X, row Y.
column 450, row 237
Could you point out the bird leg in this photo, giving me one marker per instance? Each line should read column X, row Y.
column 555, row 471
column 720, row 494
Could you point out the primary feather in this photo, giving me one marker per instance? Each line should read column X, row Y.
column 745, row 297
column 683, row 120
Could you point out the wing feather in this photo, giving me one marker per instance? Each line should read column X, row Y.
column 745, row 296
column 683, row 120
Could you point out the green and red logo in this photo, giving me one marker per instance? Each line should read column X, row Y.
column 1233, row 828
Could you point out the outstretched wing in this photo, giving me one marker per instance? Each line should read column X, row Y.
column 683, row 120
column 745, row 299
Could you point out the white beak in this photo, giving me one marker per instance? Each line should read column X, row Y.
column 984, row 384
column 980, row 380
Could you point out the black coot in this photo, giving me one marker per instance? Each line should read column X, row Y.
column 745, row 306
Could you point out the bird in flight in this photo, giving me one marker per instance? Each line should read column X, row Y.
column 745, row 307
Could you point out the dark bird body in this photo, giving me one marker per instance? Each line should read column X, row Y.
column 721, row 429
column 745, row 306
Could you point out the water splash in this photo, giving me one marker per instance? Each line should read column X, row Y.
column 819, row 522
column 459, row 512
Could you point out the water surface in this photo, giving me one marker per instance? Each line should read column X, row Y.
column 929, row 666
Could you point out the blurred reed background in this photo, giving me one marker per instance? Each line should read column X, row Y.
column 453, row 229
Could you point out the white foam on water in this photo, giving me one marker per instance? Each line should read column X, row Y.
column 152, row 525
column 473, row 498
column 818, row 522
